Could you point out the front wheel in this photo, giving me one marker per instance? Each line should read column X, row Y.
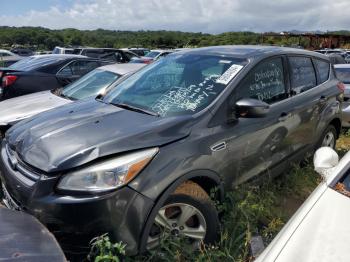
column 187, row 213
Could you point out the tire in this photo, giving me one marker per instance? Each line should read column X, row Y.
column 188, row 212
column 330, row 131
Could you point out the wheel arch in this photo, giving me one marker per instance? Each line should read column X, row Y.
column 336, row 122
column 207, row 179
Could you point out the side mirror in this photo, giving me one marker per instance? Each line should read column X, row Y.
column 251, row 108
column 325, row 158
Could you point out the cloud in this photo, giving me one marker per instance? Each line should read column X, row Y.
column 213, row 16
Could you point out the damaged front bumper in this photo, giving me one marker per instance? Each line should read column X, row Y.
column 74, row 219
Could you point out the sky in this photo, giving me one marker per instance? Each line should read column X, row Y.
column 208, row 16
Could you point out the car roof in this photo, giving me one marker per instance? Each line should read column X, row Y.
column 250, row 51
column 60, row 56
column 342, row 66
column 98, row 48
column 122, row 69
column 161, row 50
column 5, row 51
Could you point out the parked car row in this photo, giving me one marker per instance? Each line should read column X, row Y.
column 96, row 82
column 140, row 160
column 338, row 56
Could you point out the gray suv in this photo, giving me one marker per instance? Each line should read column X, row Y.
column 141, row 161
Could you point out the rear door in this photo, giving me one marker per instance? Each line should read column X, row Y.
column 306, row 100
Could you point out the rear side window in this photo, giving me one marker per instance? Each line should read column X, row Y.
column 323, row 69
column 78, row 68
column 302, row 74
column 264, row 82
column 94, row 53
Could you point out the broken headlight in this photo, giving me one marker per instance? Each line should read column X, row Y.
column 109, row 174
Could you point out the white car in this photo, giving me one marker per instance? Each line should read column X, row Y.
column 90, row 85
column 320, row 229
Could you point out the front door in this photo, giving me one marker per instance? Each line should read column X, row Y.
column 255, row 145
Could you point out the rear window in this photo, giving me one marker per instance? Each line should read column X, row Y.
column 343, row 74
column 323, row 69
column 302, row 74
column 34, row 63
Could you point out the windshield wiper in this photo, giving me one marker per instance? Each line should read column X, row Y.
column 134, row 108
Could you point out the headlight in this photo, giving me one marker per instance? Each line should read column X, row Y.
column 109, row 174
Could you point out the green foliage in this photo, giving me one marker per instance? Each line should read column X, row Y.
column 102, row 250
column 45, row 39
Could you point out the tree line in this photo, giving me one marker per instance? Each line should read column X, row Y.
column 46, row 39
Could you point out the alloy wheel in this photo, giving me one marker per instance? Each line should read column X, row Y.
column 329, row 140
column 178, row 219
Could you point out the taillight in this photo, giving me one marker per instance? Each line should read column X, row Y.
column 8, row 80
column 341, row 86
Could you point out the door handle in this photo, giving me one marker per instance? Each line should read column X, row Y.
column 284, row 116
column 323, row 99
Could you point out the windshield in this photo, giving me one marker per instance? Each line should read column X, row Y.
column 33, row 62
column 343, row 74
column 178, row 84
column 152, row 54
column 90, row 85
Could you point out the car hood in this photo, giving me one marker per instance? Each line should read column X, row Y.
column 19, row 108
column 321, row 234
column 80, row 132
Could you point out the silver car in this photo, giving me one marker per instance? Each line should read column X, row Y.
column 90, row 85
column 320, row 229
column 343, row 74
column 7, row 58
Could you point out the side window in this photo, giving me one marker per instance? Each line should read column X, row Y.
column 78, row 68
column 119, row 57
column 323, row 69
column 302, row 74
column 82, row 67
column 4, row 54
column 94, row 53
column 66, row 71
column 128, row 55
column 264, row 82
column 164, row 54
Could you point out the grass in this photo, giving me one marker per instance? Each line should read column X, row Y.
column 248, row 211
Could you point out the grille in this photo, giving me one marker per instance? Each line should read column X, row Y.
column 18, row 165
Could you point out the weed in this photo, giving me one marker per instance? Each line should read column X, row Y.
column 102, row 250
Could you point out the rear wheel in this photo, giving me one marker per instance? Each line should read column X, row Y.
column 187, row 213
column 329, row 137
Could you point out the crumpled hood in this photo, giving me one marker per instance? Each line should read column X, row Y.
column 80, row 132
column 18, row 108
